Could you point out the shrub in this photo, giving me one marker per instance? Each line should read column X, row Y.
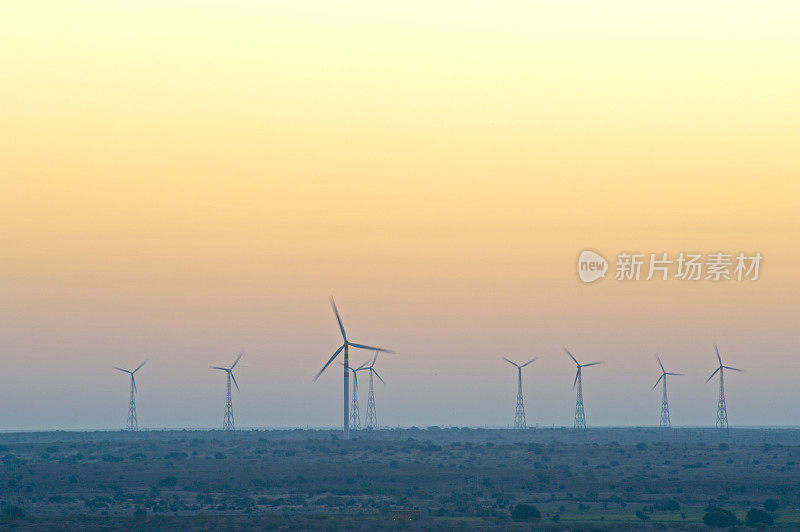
column 669, row 505
column 168, row 482
column 719, row 517
column 526, row 512
column 14, row 512
column 770, row 505
column 756, row 517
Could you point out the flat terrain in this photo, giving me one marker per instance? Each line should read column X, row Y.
column 404, row 478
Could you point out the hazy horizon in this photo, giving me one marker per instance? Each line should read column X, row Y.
column 181, row 184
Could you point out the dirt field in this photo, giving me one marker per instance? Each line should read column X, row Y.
column 411, row 478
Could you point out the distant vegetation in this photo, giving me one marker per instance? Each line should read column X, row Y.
column 423, row 478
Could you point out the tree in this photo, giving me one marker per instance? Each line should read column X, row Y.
column 719, row 517
column 756, row 517
column 14, row 512
column 770, row 505
column 526, row 512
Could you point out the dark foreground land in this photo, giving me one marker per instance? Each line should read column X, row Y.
column 416, row 479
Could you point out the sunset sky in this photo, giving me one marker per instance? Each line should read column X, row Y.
column 180, row 181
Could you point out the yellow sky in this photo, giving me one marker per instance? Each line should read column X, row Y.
column 203, row 168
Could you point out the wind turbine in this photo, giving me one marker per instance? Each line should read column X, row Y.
column 372, row 416
column 227, row 422
column 355, row 416
column 722, row 410
column 519, row 414
column 132, row 423
column 580, row 415
column 664, row 404
column 346, row 344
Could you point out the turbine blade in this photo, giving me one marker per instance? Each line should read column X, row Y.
column 371, row 348
column 507, row 360
column 660, row 364
column 676, row 374
column 125, row 370
column 133, row 383
column 576, row 378
column 379, row 377
column 572, row 357
column 715, row 372
column 362, row 366
column 374, row 359
column 139, row 366
column 734, row 369
column 237, row 359
column 328, row 363
column 659, row 380
column 217, row 367
column 234, row 381
column 529, row 361
column 717, row 352
column 338, row 318
column 592, row 364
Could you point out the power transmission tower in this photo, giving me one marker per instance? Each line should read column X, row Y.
column 664, row 408
column 372, row 416
column 722, row 410
column 132, row 423
column 227, row 422
column 519, row 414
column 580, row 415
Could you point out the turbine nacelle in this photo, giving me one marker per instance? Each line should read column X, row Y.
column 129, row 372
column 347, row 343
column 664, row 373
column 721, row 366
column 229, row 370
column 579, row 366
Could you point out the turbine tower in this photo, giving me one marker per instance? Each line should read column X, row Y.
column 519, row 414
column 132, row 423
column 346, row 344
column 227, row 422
column 372, row 416
column 722, row 410
column 664, row 404
column 355, row 416
column 580, row 415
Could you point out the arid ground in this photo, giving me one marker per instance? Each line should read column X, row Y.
column 398, row 479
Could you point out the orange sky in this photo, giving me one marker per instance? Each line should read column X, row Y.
column 181, row 182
